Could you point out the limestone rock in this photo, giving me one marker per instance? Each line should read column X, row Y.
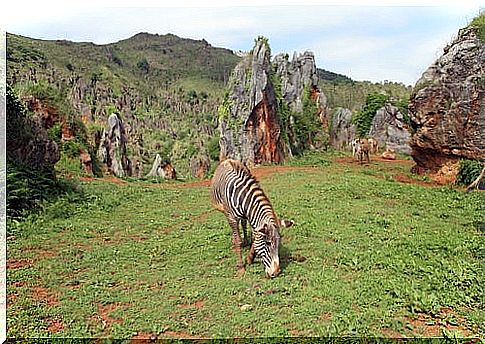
column 27, row 140
column 249, row 124
column 342, row 130
column 200, row 165
column 162, row 169
column 112, row 148
column 249, row 119
column 447, row 107
column 390, row 130
column 389, row 154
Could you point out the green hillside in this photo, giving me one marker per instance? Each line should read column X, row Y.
column 165, row 88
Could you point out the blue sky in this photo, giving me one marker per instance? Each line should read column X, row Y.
column 368, row 42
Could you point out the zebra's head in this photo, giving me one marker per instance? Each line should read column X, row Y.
column 267, row 242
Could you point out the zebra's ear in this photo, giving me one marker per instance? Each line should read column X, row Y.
column 287, row 223
column 264, row 229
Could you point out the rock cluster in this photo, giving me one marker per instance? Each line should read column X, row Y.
column 390, row 129
column 249, row 119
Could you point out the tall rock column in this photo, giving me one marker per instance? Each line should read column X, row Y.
column 248, row 118
column 112, row 148
column 447, row 107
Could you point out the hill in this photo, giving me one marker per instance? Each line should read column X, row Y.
column 165, row 88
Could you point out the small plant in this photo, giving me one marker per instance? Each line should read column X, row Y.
column 469, row 170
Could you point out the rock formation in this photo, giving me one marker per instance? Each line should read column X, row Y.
column 249, row 119
column 342, row 130
column 200, row 165
column 447, row 107
column 249, row 124
column 28, row 141
column 112, row 148
column 162, row 169
column 390, row 130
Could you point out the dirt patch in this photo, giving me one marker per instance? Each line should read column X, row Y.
column 19, row 263
column 402, row 178
column 353, row 161
column 42, row 294
column 103, row 314
column 55, row 326
column 197, row 218
column 326, row 316
column 144, row 337
column 197, row 305
column 433, row 326
column 107, row 179
column 390, row 333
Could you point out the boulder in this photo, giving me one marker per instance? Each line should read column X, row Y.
column 447, row 107
column 390, row 130
column 342, row 130
column 200, row 165
column 162, row 169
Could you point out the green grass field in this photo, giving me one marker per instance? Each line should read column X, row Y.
column 368, row 256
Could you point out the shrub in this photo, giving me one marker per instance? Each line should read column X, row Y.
column 27, row 187
column 469, row 170
column 363, row 119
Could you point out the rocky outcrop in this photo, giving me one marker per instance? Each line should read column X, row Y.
column 296, row 75
column 447, row 107
column 112, row 149
column 299, row 79
column 249, row 119
column 28, row 141
column 390, row 130
column 248, row 123
column 162, row 169
column 342, row 131
column 200, row 165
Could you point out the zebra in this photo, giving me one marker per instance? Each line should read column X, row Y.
column 235, row 192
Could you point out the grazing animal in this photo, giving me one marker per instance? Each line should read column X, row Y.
column 363, row 150
column 236, row 193
column 374, row 145
column 354, row 144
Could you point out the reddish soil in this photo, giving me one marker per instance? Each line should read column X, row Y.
column 44, row 294
column 144, row 337
column 402, row 178
column 432, row 326
column 107, row 179
column 390, row 333
column 197, row 304
column 55, row 326
column 19, row 263
column 103, row 314
column 353, row 161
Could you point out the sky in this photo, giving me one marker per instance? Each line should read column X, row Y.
column 365, row 42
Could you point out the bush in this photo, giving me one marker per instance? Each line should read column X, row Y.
column 27, row 188
column 469, row 171
column 363, row 119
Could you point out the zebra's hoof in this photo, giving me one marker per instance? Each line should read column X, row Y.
column 240, row 271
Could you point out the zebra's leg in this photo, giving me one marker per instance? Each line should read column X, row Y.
column 236, row 241
column 251, row 254
column 246, row 241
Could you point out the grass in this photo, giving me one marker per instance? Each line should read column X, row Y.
column 368, row 256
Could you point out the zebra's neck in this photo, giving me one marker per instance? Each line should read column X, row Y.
column 266, row 218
